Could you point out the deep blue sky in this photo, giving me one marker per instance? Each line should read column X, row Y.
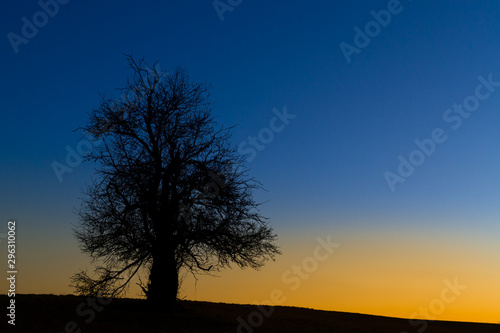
column 325, row 170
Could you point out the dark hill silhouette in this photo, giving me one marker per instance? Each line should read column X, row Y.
column 49, row 313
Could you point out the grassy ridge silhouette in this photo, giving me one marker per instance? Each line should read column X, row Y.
column 55, row 314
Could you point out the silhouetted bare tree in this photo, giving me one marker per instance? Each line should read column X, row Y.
column 170, row 193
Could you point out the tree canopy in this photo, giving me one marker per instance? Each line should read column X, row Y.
column 170, row 193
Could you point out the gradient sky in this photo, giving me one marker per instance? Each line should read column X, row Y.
column 324, row 172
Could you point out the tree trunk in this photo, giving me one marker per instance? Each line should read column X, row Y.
column 163, row 280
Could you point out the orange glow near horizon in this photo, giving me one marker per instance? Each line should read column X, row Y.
column 380, row 277
column 388, row 275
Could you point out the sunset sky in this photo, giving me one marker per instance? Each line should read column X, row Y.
column 421, row 86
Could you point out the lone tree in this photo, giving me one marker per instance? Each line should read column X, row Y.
column 170, row 191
